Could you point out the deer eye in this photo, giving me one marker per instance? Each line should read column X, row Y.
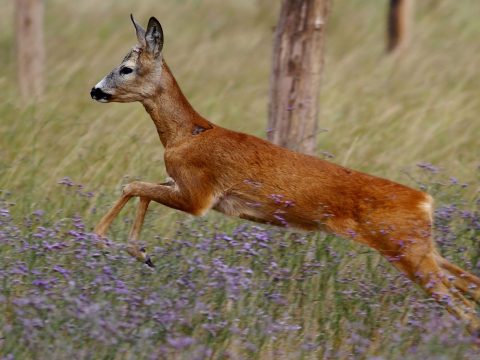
column 125, row 70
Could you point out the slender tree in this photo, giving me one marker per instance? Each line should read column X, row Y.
column 30, row 51
column 296, row 74
column 398, row 24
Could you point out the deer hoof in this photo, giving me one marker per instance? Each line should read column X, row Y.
column 149, row 262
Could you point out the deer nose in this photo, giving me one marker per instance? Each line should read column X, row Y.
column 99, row 95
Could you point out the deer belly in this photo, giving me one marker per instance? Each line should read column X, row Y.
column 267, row 212
column 236, row 206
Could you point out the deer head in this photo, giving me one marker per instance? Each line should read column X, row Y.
column 138, row 76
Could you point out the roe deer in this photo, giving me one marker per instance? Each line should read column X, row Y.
column 237, row 174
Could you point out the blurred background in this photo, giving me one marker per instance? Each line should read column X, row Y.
column 225, row 288
column 382, row 114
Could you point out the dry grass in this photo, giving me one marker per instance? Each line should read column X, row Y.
column 382, row 114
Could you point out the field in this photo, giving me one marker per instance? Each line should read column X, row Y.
column 225, row 288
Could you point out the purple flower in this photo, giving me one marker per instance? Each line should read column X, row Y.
column 428, row 167
column 61, row 270
column 180, row 342
column 38, row 213
column 66, row 181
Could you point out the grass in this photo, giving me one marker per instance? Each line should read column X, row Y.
column 324, row 297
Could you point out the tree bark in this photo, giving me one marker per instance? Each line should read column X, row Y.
column 30, row 51
column 296, row 74
column 399, row 23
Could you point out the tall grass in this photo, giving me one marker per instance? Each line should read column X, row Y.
column 305, row 295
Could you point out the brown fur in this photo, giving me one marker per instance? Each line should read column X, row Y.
column 244, row 176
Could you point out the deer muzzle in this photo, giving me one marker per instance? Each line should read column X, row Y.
column 99, row 95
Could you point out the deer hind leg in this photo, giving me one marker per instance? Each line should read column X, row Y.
column 464, row 281
column 427, row 273
column 133, row 246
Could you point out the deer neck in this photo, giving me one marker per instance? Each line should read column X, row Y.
column 172, row 114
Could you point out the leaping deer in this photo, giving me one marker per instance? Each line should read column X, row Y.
column 211, row 167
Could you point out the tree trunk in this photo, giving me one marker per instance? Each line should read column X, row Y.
column 296, row 74
column 399, row 14
column 30, row 50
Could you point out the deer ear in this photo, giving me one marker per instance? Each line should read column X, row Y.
column 154, row 37
column 139, row 30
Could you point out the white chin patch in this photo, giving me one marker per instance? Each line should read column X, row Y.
column 103, row 100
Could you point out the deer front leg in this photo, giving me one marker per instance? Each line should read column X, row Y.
column 107, row 219
column 129, row 191
column 133, row 247
column 170, row 194
column 195, row 199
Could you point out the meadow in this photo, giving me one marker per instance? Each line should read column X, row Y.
column 225, row 288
